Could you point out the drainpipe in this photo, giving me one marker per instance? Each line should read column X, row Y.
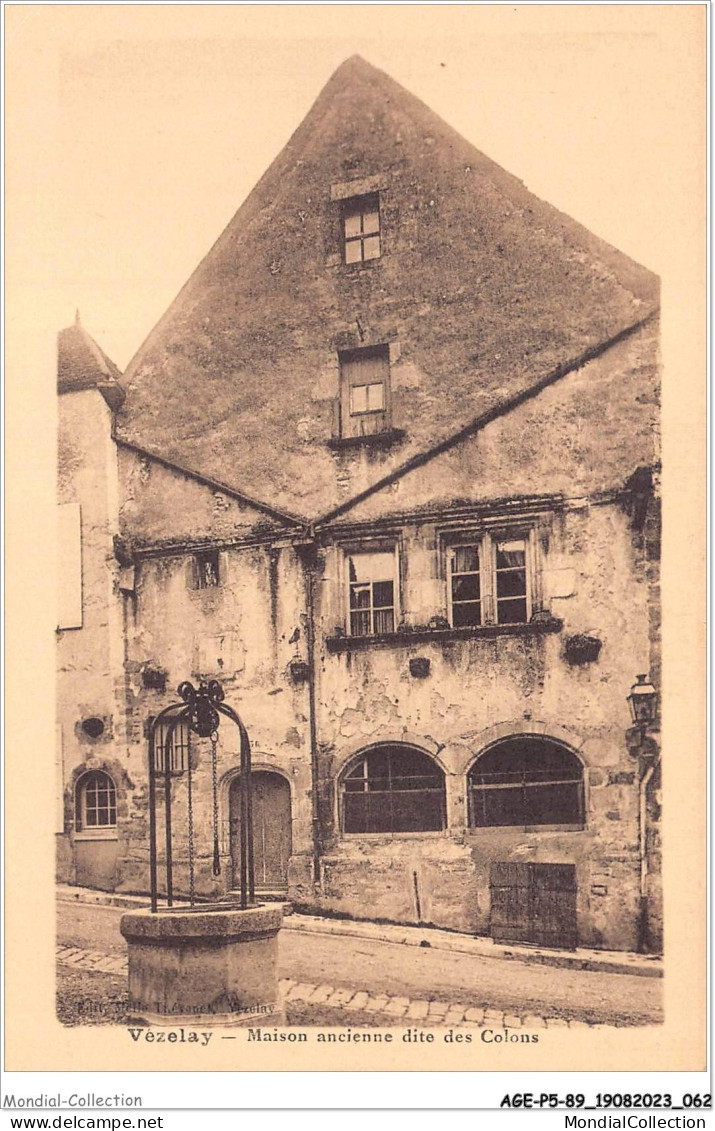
column 307, row 554
column 642, row 850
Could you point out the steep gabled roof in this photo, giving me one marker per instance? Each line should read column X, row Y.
column 81, row 364
column 482, row 291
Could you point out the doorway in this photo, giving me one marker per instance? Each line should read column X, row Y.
column 272, row 834
column 533, row 903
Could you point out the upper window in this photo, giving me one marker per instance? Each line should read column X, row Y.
column 364, row 391
column 524, row 781
column 489, row 580
column 372, row 592
column 178, row 747
column 361, row 228
column 96, row 801
column 393, row 789
column 206, row 571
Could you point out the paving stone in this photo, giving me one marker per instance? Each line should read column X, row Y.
column 300, row 992
column 79, row 959
column 359, row 1001
column 438, row 1009
column 475, row 1015
column 340, row 997
column 376, row 1004
column 556, row 1023
column 397, row 1006
column 494, row 1016
column 285, row 984
column 455, row 1014
column 578, row 1025
column 417, row 1010
column 531, row 1021
column 112, row 965
column 511, row 1022
column 322, row 994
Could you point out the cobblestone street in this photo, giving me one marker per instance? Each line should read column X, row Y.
column 337, row 978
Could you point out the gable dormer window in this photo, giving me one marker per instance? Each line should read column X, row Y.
column 364, row 391
column 361, row 228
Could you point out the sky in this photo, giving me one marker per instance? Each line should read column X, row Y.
column 167, row 116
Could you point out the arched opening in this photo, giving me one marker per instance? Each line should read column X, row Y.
column 96, row 847
column 272, row 829
column 526, row 781
column 95, row 802
column 392, row 788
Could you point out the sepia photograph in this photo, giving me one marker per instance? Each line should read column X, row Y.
column 359, row 671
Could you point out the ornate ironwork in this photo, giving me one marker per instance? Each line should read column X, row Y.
column 201, row 709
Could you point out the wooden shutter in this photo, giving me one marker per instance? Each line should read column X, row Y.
column 534, row 903
column 553, row 905
column 364, row 367
column 509, row 891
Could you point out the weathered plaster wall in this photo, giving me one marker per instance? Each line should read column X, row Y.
column 590, row 557
column 244, row 632
column 89, row 659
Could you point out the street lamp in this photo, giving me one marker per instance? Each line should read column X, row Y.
column 643, row 701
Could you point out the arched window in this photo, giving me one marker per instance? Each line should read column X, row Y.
column 393, row 788
column 96, row 801
column 526, row 780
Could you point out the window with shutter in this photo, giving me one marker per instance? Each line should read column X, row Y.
column 364, row 391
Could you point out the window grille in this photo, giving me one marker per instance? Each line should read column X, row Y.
column 526, row 781
column 178, row 748
column 393, row 789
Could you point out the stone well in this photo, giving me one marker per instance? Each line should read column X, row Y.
column 207, row 965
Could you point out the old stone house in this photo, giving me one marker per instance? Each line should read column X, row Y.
column 387, row 469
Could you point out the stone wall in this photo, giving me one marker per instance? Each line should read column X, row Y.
column 90, row 657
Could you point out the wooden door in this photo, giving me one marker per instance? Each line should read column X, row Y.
column 534, row 903
column 272, row 837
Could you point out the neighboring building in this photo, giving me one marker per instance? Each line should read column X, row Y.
column 387, row 469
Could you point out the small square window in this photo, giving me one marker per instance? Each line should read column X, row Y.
column 361, row 228
column 206, row 574
column 367, row 398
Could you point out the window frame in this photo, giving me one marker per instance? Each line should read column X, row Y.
column 82, row 829
column 473, row 828
column 352, row 764
column 486, row 540
column 360, row 205
column 391, row 546
column 180, row 750
column 200, row 559
column 349, row 418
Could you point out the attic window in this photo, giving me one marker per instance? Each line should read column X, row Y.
column 361, row 228
column 364, row 391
